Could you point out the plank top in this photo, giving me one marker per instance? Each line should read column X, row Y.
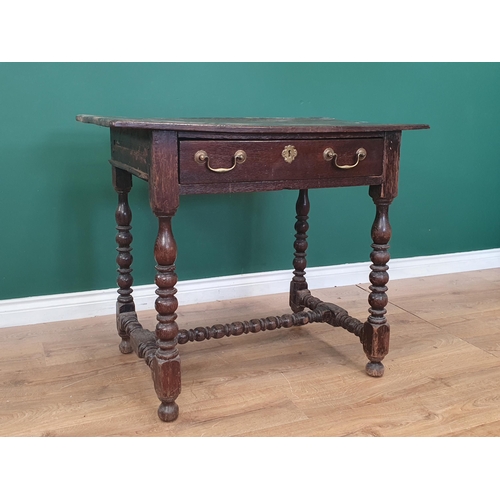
column 249, row 124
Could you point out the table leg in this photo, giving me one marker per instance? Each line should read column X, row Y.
column 165, row 366
column 122, row 182
column 376, row 330
column 299, row 262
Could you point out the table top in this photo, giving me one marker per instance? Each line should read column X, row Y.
column 249, row 124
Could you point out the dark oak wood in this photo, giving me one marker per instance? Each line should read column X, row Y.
column 166, row 366
column 254, row 187
column 122, row 182
column 377, row 330
column 299, row 282
column 265, row 163
column 132, row 148
column 224, row 155
column 247, row 125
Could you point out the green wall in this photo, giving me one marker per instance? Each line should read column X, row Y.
column 57, row 203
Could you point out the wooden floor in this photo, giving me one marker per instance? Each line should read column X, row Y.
column 442, row 374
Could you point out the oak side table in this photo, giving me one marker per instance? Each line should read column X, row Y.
column 228, row 155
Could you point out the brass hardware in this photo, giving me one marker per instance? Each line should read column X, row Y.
column 289, row 154
column 201, row 157
column 329, row 154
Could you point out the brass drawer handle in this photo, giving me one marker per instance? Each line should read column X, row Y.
column 201, row 157
column 329, row 154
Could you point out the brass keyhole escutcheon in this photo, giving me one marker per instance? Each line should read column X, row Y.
column 289, row 153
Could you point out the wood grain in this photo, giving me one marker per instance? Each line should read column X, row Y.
column 442, row 372
column 265, row 162
column 247, row 125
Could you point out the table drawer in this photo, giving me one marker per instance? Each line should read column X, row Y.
column 212, row 161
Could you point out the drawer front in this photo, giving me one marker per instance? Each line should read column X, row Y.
column 203, row 162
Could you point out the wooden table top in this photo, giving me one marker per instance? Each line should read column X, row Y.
column 249, row 125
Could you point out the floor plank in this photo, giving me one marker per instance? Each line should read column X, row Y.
column 442, row 372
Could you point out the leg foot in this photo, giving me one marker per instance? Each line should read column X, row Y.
column 374, row 369
column 125, row 346
column 168, row 412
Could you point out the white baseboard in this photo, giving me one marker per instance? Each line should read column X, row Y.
column 68, row 306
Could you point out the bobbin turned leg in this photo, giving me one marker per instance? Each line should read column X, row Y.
column 122, row 182
column 299, row 262
column 376, row 329
column 165, row 366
